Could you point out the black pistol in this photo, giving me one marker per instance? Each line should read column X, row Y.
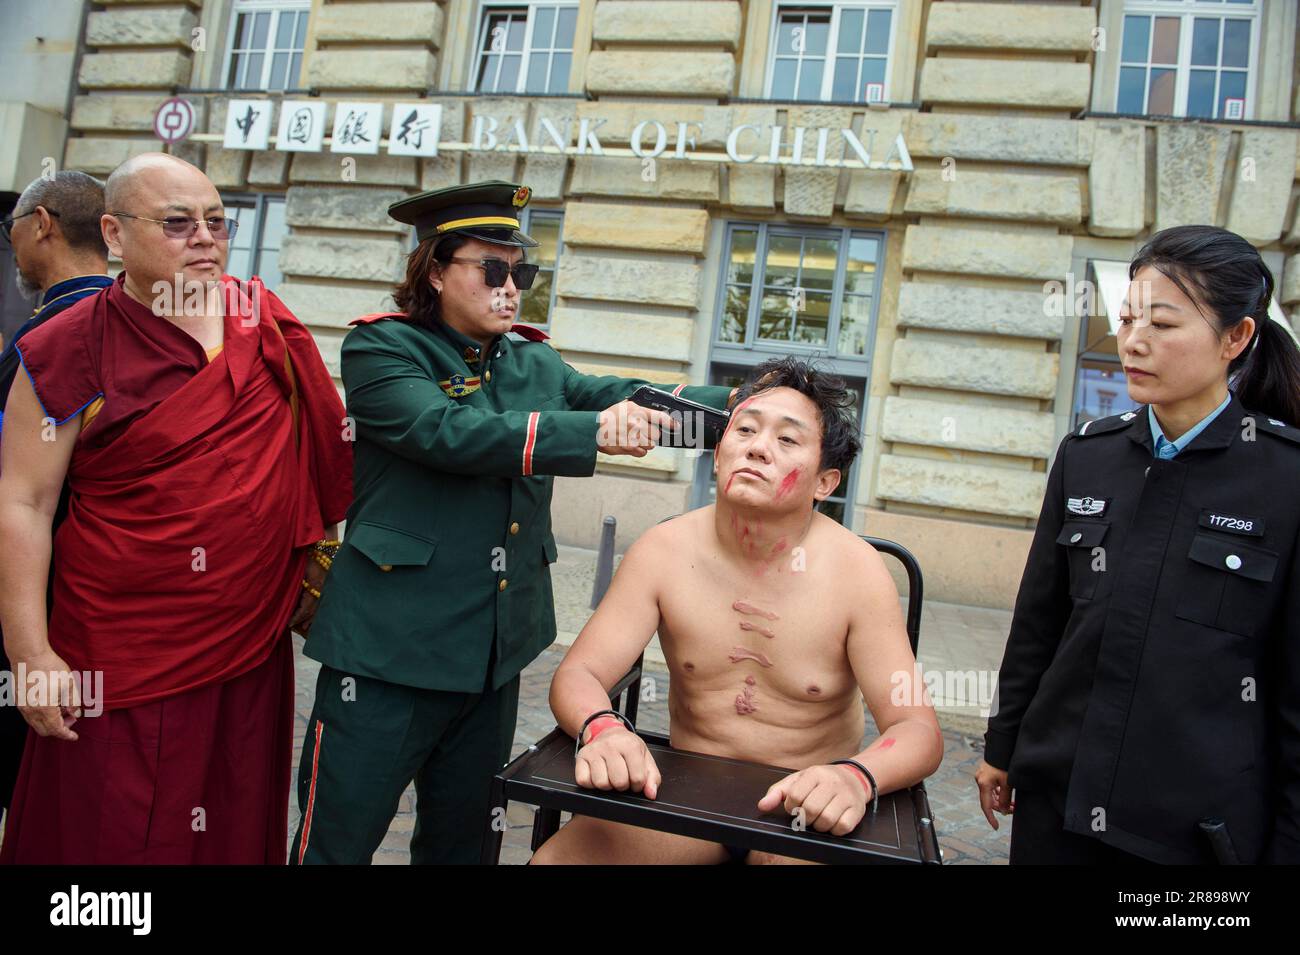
column 698, row 426
column 1216, row 830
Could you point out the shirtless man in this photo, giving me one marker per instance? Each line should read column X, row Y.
column 776, row 623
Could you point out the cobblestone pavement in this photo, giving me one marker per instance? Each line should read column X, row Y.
column 963, row 834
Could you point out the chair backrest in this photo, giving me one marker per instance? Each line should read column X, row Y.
column 915, row 584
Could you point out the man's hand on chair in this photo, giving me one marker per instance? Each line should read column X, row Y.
column 617, row 759
column 829, row 798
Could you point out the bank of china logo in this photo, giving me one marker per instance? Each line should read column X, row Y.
column 458, row 386
column 1087, row 506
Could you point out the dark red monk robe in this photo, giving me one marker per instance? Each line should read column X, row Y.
column 193, row 497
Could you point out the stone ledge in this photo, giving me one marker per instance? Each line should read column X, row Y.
column 410, row 23
column 171, row 26
column 101, row 156
column 636, row 227
column 967, row 487
column 1021, row 26
column 663, row 73
column 624, row 280
column 708, row 22
column 996, row 195
column 397, row 69
column 118, row 112
column 341, row 207
column 331, row 306
column 994, row 371
column 613, row 333
column 1003, row 139
column 987, row 252
column 976, row 310
column 1022, row 83
column 161, row 69
column 969, row 427
column 342, row 257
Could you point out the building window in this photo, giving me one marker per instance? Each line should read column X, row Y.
column 790, row 289
column 1099, row 384
column 266, row 43
column 538, row 303
column 831, row 51
column 812, row 293
column 256, row 247
column 525, row 48
column 1189, row 58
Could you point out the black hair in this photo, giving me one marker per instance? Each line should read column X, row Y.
column 840, row 443
column 415, row 295
column 1224, row 273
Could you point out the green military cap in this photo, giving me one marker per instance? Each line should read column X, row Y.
column 488, row 211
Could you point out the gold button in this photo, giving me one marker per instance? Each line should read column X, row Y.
column 487, row 376
column 385, row 567
column 502, row 585
column 514, row 527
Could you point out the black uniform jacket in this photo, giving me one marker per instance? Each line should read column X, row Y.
column 1152, row 674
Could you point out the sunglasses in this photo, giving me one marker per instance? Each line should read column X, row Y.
column 496, row 270
column 182, row 227
column 7, row 226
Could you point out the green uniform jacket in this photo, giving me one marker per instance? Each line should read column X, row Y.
column 448, row 541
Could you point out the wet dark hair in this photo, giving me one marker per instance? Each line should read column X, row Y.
column 1223, row 273
column 840, row 444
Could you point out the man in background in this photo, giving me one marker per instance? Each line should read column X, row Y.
column 60, row 258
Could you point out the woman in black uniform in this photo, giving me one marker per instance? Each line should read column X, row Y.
column 1148, row 703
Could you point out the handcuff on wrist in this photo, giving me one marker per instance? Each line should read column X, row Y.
column 578, row 744
column 875, row 791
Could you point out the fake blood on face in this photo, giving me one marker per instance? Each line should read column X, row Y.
column 788, row 482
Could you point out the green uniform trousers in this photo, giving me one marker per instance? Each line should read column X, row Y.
column 368, row 739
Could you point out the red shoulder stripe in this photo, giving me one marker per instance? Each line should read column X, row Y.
column 377, row 317
column 530, row 333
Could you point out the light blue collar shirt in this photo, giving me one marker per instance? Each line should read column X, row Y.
column 1166, row 449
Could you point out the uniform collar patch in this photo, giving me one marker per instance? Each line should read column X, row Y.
column 458, row 386
column 1086, row 506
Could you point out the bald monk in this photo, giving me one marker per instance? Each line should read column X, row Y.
column 202, row 440
column 776, row 622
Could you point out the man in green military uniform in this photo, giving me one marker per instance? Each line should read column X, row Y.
column 441, row 592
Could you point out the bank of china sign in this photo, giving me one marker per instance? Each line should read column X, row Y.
column 415, row 130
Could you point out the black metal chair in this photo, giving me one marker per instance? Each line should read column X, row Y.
column 713, row 798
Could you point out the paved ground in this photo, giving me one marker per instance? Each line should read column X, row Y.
column 961, row 645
